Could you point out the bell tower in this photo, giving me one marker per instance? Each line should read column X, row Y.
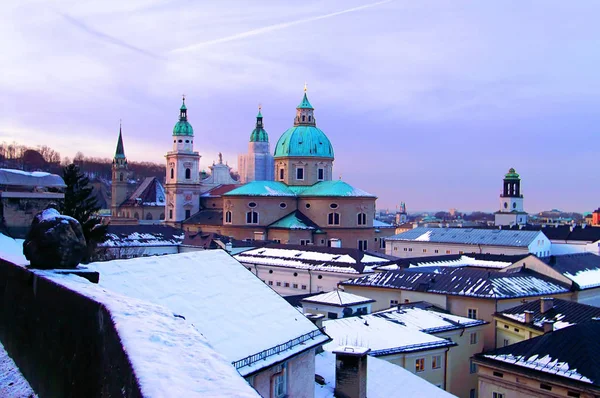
column 511, row 201
column 120, row 175
column 183, row 175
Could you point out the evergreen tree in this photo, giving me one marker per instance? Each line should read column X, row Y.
column 82, row 205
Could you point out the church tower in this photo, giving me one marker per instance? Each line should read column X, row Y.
column 257, row 165
column 303, row 154
column 120, row 175
column 511, row 201
column 183, row 174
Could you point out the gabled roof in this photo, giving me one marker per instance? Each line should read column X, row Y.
column 469, row 236
column 240, row 316
column 149, row 193
column 477, row 260
column 142, row 235
column 219, row 190
column 563, row 313
column 294, row 220
column 337, row 298
column 12, row 177
column 581, row 268
column 381, row 335
column 427, row 320
column 464, row 282
column 206, row 217
column 321, row 258
column 571, row 353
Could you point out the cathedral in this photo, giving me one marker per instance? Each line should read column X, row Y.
column 288, row 197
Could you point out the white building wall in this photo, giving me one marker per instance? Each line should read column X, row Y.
column 570, row 247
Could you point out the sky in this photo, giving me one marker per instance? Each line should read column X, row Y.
column 427, row 102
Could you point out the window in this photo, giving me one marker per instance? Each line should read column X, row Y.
column 506, row 342
column 546, row 387
column 472, row 393
column 280, row 383
column 405, row 249
column 382, row 243
column 307, row 205
column 171, row 214
column 251, row 217
column 270, row 283
column 362, row 245
column 473, row 338
column 461, row 252
column 424, row 250
column 332, row 315
column 281, row 174
column 448, row 252
column 283, row 205
column 393, row 303
column 497, row 395
column 410, row 249
column 472, row 313
column 333, row 219
column 303, row 287
column 472, row 367
column 188, row 174
column 286, row 284
column 436, row 362
column 498, row 374
column 278, row 283
column 333, row 206
column 295, row 286
column 121, row 177
column 300, row 173
column 172, row 173
column 361, row 219
column 228, row 217
column 304, row 242
column 419, row 364
column 320, row 174
column 436, row 251
column 573, row 394
column 303, row 118
column 188, row 213
column 252, row 205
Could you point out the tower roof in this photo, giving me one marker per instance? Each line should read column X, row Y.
column 120, row 152
column 259, row 134
column 305, row 104
column 183, row 127
column 511, row 175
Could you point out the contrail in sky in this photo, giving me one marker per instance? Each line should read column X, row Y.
column 272, row 28
column 107, row 38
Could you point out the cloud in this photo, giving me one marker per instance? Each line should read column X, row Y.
column 275, row 27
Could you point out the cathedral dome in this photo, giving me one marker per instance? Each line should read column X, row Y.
column 183, row 127
column 304, row 139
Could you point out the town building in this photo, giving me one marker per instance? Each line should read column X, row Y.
column 596, row 217
column 296, row 269
column 24, row 194
column 258, row 164
column 336, row 304
column 538, row 317
column 466, row 292
column 421, row 242
column 558, row 364
column 511, row 201
column 130, row 241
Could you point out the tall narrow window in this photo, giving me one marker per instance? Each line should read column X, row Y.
column 472, row 313
column 188, row 174
column 280, row 382
column 300, row 173
column 188, row 213
column 419, row 364
column 361, row 219
column 170, row 214
column 228, row 217
column 281, row 174
column 121, row 177
column 333, row 218
column 321, row 174
column 251, row 217
column 172, row 173
column 362, row 245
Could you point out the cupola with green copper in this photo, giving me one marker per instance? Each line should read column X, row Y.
column 512, row 184
column 304, row 139
column 183, row 127
column 259, row 134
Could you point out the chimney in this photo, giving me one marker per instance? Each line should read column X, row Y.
column 228, row 247
column 351, row 372
column 546, row 304
column 548, row 326
column 528, row 316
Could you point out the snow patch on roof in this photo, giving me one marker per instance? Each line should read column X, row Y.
column 586, row 279
column 338, row 298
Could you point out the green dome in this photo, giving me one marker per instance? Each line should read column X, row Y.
column 304, row 141
column 183, row 127
column 511, row 175
column 259, row 135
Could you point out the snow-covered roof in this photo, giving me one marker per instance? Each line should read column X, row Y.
column 238, row 314
column 325, row 259
column 142, row 235
column 169, row 355
column 149, row 193
column 12, row 382
column 381, row 224
column 384, row 380
column 381, row 335
column 336, row 188
column 469, row 236
column 428, row 321
column 337, row 298
column 572, row 352
column 11, row 250
column 462, row 281
column 30, row 179
column 581, row 268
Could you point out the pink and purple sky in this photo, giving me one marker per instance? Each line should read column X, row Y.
column 425, row 102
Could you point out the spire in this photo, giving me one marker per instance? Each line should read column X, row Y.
column 259, row 111
column 183, row 110
column 305, row 112
column 305, row 104
column 259, row 134
column 259, row 118
column 120, row 153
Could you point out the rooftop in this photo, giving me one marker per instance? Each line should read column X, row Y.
column 336, row 188
column 219, row 190
column 571, row 353
column 295, row 220
column 563, row 313
column 142, row 235
column 149, row 193
column 337, row 298
column 465, row 282
column 457, row 260
column 581, row 268
column 469, row 236
column 12, row 177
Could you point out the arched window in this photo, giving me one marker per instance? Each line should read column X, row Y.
column 333, row 218
column 121, row 177
column 228, row 217
column 148, row 216
column 309, row 117
column 361, row 219
column 162, row 216
column 172, row 173
column 303, row 118
column 188, row 174
column 251, row 217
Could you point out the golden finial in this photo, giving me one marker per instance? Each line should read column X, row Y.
column 183, row 96
column 259, row 107
column 305, row 86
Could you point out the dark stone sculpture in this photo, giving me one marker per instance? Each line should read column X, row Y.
column 54, row 241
